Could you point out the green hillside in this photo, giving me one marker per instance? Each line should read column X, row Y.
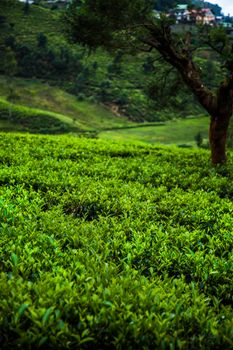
column 179, row 132
column 106, row 245
column 20, row 118
column 60, row 112
column 111, row 96
column 56, row 103
column 26, row 27
column 37, row 43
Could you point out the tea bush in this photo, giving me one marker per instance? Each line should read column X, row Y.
column 113, row 246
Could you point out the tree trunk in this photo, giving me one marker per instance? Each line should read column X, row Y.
column 218, row 137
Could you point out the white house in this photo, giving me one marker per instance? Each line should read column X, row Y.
column 29, row 1
column 183, row 14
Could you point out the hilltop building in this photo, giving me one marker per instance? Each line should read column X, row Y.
column 185, row 14
column 181, row 13
column 29, row 1
column 47, row 2
column 207, row 16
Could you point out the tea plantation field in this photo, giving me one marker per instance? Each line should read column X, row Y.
column 113, row 246
column 179, row 132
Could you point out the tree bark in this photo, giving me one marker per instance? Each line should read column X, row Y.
column 218, row 138
column 219, row 122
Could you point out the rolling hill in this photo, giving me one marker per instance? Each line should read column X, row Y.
column 77, row 116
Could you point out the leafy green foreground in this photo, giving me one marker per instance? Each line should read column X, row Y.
column 106, row 245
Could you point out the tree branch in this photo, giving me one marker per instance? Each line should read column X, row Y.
column 161, row 40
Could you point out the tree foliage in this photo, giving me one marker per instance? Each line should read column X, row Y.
column 105, row 23
column 134, row 26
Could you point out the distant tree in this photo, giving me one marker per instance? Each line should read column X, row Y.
column 42, row 40
column 8, row 2
column 216, row 9
column 95, row 65
column 163, row 5
column 26, row 8
column 2, row 20
column 148, row 65
column 10, row 68
column 10, row 65
column 115, row 67
column 37, row 2
column 210, row 72
column 104, row 90
column 82, row 80
column 199, row 139
column 132, row 25
column 10, row 41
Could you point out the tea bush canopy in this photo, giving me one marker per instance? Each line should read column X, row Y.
column 111, row 246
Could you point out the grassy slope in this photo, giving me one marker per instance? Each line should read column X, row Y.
column 112, row 246
column 182, row 131
column 83, row 115
column 80, row 114
column 26, row 28
column 86, row 116
column 128, row 83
